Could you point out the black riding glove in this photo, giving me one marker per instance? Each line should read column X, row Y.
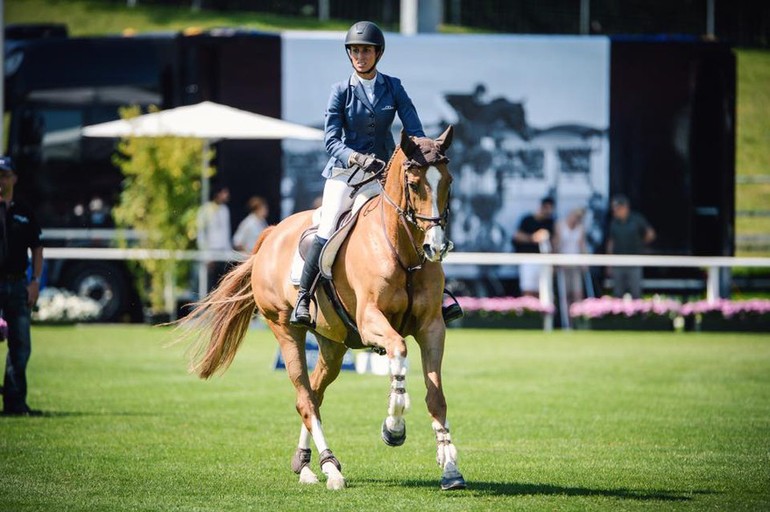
column 367, row 163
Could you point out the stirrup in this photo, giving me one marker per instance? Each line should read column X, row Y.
column 452, row 311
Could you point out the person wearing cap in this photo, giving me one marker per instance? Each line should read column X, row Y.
column 358, row 120
column 629, row 233
column 19, row 232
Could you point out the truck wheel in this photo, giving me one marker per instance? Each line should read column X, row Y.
column 104, row 283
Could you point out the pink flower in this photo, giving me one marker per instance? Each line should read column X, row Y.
column 502, row 305
column 606, row 306
column 728, row 308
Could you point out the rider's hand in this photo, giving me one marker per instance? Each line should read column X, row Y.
column 368, row 163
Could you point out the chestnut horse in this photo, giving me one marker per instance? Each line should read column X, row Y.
column 389, row 279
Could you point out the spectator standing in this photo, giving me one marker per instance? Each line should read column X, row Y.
column 630, row 233
column 252, row 226
column 214, row 231
column 19, row 232
column 570, row 238
column 533, row 236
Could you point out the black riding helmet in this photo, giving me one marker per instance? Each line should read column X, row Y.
column 366, row 32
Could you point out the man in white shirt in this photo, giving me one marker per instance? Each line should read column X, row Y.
column 214, row 231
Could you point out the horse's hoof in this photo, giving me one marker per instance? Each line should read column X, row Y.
column 452, row 483
column 306, row 476
column 336, row 484
column 392, row 439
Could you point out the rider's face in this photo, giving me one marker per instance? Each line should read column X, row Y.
column 363, row 57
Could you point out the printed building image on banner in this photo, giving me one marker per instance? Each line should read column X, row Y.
column 531, row 117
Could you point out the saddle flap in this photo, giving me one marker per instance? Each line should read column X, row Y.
column 329, row 252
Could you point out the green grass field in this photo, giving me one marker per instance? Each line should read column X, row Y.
column 561, row 421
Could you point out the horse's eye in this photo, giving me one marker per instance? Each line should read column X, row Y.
column 414, row 186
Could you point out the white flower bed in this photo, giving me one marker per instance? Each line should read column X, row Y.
column 56, row 305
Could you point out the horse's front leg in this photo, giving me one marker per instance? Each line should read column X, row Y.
column 375, row 329
column 431, row 341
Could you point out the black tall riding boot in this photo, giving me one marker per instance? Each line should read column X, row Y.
column 301, row 314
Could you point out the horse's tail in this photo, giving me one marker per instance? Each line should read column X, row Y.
column 226, row 313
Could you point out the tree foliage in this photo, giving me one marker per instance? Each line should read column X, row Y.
column 160, row 198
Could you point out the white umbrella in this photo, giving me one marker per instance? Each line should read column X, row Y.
column 208, row 121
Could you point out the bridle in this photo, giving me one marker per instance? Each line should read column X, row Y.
column 410, row 213
column 408, row 216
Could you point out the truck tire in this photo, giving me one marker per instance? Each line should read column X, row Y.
column 105, row 283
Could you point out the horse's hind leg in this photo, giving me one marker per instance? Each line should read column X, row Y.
column 292, row 343
column 326, row 371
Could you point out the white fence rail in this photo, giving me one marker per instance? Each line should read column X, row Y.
column 711, row 263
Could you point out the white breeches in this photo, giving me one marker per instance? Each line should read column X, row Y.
column 337, row 200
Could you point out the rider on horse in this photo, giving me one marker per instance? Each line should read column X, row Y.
column 358, row 138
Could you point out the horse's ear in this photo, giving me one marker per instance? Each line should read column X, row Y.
column 445, row 139
column 407, row 144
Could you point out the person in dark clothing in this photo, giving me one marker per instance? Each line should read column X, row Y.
column 630, row 233
column 19, row 232
column 533, row 236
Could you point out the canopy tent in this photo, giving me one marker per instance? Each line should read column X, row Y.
column 208, row 121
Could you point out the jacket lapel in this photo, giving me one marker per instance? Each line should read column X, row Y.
column 379, row 89
column 360, row 93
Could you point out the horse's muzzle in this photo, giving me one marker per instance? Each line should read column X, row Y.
column 433, row 253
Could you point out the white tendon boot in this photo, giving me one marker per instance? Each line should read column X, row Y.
column 330, row 466
column 446, row 457
column 394, row 426
column 300, row 463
